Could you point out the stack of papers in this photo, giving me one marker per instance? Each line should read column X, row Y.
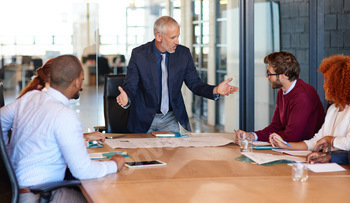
column 259, row 145
column 293, row 152
column 164, row 134
column 167, row 134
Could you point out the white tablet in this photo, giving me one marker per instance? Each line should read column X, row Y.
column 139, row 164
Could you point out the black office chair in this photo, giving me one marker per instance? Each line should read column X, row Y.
column 116, row 117
column 119, row 64
column 2, row 100
column 9, row 189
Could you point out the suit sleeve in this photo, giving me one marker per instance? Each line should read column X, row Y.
column 131, row 82
column 341, row 157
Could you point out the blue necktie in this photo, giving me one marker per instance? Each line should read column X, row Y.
column 164, row 106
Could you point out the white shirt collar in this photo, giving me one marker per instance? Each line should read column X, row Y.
column 58, row 95
column 290, row 88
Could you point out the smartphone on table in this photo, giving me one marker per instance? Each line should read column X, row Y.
column 139, row 164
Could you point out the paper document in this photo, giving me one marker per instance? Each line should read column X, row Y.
column 262, row 158
column 169, row 142
column 257, row 143
column 325, row 167
column 164, row 134
column 293, row 152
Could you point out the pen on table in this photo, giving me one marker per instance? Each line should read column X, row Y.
column 282, row 141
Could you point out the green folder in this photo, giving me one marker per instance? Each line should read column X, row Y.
column 246, row 159
column 264, row 147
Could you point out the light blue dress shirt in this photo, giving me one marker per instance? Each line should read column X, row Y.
column 46, row 137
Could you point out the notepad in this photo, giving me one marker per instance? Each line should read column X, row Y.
column 259, row 143
column 293, row 152
column 163, row 134
column 263, row 147
column 94, row 144
column 167, row 134
column 325, row 167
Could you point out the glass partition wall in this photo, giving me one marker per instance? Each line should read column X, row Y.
column 200, row 52
column 100, row 33
column 278, row 25
column 227, row 61
column 228, row 38
column 33, row 34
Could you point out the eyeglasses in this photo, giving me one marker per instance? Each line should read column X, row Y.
column 270, row 74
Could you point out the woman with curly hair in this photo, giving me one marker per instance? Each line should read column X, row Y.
column 335, row 131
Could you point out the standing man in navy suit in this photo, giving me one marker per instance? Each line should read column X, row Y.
column 154, row 78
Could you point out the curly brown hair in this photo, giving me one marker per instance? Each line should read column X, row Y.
column 38, row 83
column 284, row 63
column 336, row 72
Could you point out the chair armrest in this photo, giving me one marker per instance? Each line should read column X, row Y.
column 46, row 187
column 100, row 128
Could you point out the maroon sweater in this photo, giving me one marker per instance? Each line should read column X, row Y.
column 298, row 114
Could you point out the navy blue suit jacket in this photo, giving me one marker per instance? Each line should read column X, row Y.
column 341, row 157
column 142, row 85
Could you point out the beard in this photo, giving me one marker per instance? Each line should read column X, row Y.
column 167, row 48
column 77, row 94
column 277, row 84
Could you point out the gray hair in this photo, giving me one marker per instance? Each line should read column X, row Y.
column 160, row 26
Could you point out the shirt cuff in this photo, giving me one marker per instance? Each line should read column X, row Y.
column 216, row 96
column 255, row 136
column 112, row 167
column 127, row 105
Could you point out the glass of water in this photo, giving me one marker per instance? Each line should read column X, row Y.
column 299, row 172
column 245, row 142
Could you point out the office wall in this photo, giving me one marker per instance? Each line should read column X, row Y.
column 337, row 27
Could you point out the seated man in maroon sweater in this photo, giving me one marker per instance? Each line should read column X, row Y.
column 299, row 113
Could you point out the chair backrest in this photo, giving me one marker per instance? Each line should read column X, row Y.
column 9, row 190
column 37, row 63
column 2, row 99
column 116, row 117
column 103, row 66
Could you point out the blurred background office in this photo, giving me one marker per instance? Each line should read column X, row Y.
column 228, row 38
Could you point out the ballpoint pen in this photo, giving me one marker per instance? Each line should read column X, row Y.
column 286, row 143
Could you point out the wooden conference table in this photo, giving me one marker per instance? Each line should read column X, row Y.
column 210, row 174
